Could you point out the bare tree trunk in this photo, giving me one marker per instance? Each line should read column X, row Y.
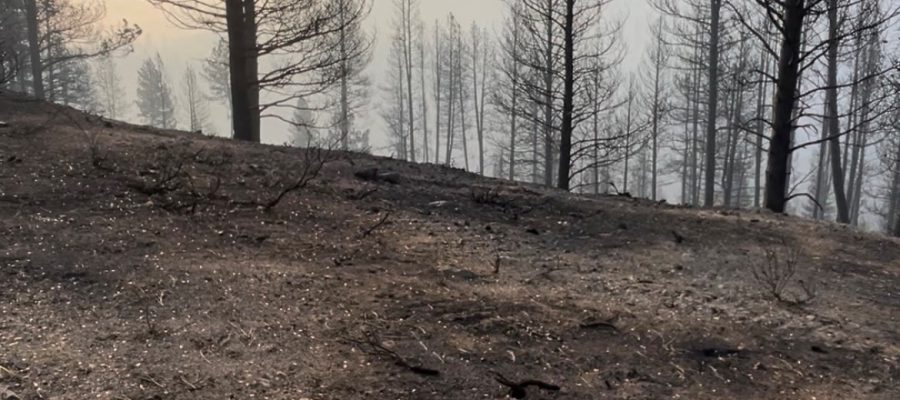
column 424, row 98
column 656, row 112
column 734, row 136
column 238, row 54
column 760, row 132
column 462, row 112
column 735, row 125
column 852, row 118
column 856, row 203
column 783, row 126
column 729, row 150
column 685, row 155
column 345, row 85
column 478, row 132
column 873, row 59
column 854, row 163
column 403, row 148
column 821, row 193
column 512, row 143
column 894, row 201
column 843, row 213
column 565, row 145
column 628, row 124
column 596, row 150
column 513, row 119
column 709, row 190
column 511, row 47
column 437, row 93
column 535, row 176
column 595, row 120
column 407, row 55
column 695, row 133
column 48, row 68
column 897, row 228
column 478, row 103
column 548, row 98
column 451, row 90
column 34, row 50
column 252, row 67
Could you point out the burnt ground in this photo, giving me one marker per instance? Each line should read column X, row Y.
column 139, row 264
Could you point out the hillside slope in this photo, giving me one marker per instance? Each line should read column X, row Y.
column 139, row 264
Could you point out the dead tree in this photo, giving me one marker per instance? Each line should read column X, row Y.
column 296, row 32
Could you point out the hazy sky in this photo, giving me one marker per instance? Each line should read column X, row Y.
column 179, row 47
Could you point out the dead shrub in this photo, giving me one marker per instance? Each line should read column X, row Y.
column 173, row 179
column 488, row 196
column 98, row 153
column 280, row 183
column 167, row 170
column 778, row 276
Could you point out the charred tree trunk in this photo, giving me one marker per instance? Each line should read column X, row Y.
column 238, row 54
column 252, row 67
column 424, row 94
column 565, row 145
column 843, row 211
column 760, row 132
column 656, row 112
column 695, row 133
column 451, row 90
column 407, row 56
column 462, row 110
column 894, row 229
column 548, row 98
column 475, row 103
column 437, row 94
column 535, row 176
column 628, row 142
column 345, row 86
column 709, row 194
column 513, row 119
column 783, row 125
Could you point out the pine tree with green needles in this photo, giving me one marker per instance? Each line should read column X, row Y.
column 155, row 101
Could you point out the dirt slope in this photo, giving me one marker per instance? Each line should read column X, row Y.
column 107, row 292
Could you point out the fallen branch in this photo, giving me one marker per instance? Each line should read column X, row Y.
column 190, row 385
column 598, row 325
column 808, row 196
column 149, row 379
column 517, row 390
column 372, row 229
column 398, row 360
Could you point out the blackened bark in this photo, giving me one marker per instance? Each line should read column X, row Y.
column 840, row 195
column 709, row 190
column 786, row 91
column 237, row 55
column 565, row 145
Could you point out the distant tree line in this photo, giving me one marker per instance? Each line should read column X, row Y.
column 728, row 94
